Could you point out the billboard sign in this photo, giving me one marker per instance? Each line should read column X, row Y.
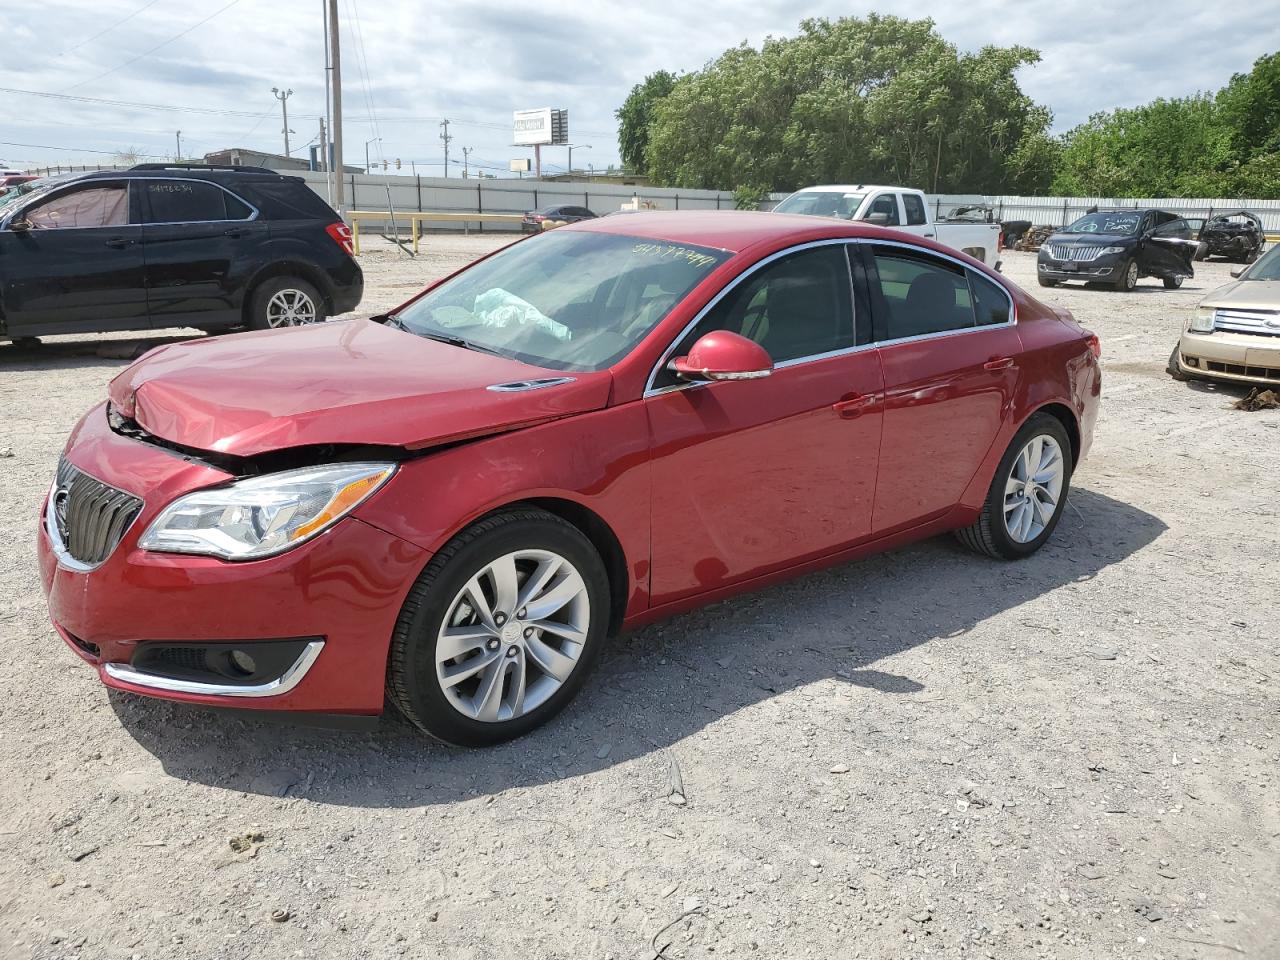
column 522, row 165
column 532, row 127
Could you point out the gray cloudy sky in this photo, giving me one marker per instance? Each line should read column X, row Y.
column 475, row 62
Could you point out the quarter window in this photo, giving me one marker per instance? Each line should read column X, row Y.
column 800, row 305
column 921, row 295
column 186, row 201
column 991, row 303
column 93, row 207
column 915, row 210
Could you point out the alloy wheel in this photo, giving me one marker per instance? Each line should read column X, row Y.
column 513, row 635
column 290, row 308
column 1131, row 276
column 1033, row 489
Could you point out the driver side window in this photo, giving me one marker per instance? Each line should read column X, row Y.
column 887, row 204
column 96, row 206
column 800, row 305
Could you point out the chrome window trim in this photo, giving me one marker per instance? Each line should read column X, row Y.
column 651, row 391
column 127, row 182
column 178, row 223
column 292, row 676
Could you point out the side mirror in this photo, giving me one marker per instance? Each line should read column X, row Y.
column 721, row 355
column 877, row 219
column 1237, row 271
column 19, row 224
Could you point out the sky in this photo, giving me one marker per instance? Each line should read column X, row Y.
column 407, row 64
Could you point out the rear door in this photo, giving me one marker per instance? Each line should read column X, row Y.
column 78, row 268
column 950, row 351
column 200, row 245
column 915, row 215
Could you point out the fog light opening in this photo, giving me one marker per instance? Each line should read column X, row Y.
column 242, row 663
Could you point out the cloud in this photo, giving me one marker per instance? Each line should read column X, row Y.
column 477, row 62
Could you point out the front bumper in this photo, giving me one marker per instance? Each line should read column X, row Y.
column 1243, row 357
column 1104, row 268
column 342, row 591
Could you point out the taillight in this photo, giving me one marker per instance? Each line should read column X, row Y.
column 1095, row 344
column 340, row 233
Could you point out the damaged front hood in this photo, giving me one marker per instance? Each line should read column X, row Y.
column 353, row 382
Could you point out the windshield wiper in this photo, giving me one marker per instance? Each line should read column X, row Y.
column 454, row 341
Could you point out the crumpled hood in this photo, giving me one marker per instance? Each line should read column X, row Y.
column 354, row 382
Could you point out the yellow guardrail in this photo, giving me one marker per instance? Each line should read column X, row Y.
column 416, row 219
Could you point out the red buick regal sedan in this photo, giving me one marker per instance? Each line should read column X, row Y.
column 454, row 505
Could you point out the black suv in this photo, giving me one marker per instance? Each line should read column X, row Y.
column 182, row 245
column 1117, row 247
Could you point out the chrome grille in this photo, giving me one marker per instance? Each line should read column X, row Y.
column 1265, row 323
column 86, row 516
column 1074, row 252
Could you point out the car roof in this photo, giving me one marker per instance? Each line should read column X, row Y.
column 850, row 188
column 153, row 171
column 731, row 230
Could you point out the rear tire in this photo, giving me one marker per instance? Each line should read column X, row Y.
column 496, row 687
column 1007, row 503
column 285, row 302
column 1172, row 283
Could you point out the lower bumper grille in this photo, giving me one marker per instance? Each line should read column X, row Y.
column 88, row 517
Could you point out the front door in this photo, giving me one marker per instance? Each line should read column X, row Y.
column 751, row 476
column 950, row 353
column 1170, row 250
column 199, row 241
column 74, row 264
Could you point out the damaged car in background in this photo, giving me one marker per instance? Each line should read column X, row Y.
column 451, row 506
column 1234, row 333
column 1117, row 248
column 1238, row 236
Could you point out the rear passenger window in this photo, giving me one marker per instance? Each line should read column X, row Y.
column 991, row 303
column 183, row 201
column 922, row 295
column 237, row 209
column 915, row 209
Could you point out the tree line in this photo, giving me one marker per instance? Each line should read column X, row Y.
column 887, row 99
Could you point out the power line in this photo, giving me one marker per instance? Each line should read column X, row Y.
column 45, row 146
column 103, row 32
column 147, row 53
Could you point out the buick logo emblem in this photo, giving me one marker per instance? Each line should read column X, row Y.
column 60, row 499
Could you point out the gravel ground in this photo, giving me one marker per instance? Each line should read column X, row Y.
column 924, row 754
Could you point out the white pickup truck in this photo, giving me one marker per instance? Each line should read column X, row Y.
column 899, row 208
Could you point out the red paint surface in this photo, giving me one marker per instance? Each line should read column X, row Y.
column 706, row 491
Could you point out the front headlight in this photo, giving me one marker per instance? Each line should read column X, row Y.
column 264, row 515
column 1107, row 251
column 1202, row 320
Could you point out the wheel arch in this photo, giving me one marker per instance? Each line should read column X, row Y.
column 287, row 268
column 1066, row 416
column 594, row 527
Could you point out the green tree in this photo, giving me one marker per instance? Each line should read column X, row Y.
column 853, row 100
column 634, row 115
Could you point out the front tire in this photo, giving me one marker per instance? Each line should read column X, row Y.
column 1173, row 369
column 500, row 631
column 285, row 302
column 1045, row 282
column 1128, row 278
column 1027, row 494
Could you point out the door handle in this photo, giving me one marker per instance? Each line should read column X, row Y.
column 999, row 363
column 928, row 234
column 118, row 243
column 851, row 408
column 234, row 233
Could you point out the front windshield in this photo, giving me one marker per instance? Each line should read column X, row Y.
column 1124, row 223
column 564, row 300
column 822, row 203
column 1267, row 267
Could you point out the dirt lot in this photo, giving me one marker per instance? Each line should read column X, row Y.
column 921, row 755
